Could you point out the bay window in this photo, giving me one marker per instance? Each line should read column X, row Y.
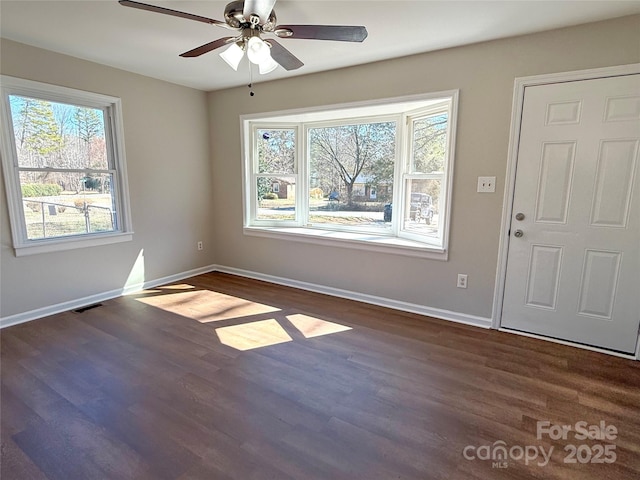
column 368, row 175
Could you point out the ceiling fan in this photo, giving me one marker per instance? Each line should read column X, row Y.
column 251, row 19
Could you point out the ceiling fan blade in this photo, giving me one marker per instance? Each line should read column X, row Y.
column 207, row 47
column 261, row 8
column 341, row 33
column 168, row 11
column 284, row 57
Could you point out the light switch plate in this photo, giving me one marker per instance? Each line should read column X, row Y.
column 486, row 184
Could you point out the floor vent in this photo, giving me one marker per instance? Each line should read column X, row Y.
column 88, row 307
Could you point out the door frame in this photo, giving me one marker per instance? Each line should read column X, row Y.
column 520, row 84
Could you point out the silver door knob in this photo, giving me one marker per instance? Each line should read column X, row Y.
column 519, row 216
column 518, row 233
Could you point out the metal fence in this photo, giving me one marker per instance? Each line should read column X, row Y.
column 46, row 219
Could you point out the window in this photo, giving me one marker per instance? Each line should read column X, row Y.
column 275, row 180
column 349, row 160
column 64, row 169
column 365, row 175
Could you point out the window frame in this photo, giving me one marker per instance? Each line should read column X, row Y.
column 446, row 177
column 397, row 241
column 254, row 173
column 116, row 163
column 306, row 127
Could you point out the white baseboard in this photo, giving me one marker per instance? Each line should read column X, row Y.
column 99, row 297
column 458, row 317
column 363, row 297
column 335, row 292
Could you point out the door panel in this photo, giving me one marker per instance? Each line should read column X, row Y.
column 544, row 275
column 574, row 273
column 554, row 183
column 598, row 283
column 614, row 175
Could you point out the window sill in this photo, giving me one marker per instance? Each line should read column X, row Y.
column 70, row 243
column 361, row 241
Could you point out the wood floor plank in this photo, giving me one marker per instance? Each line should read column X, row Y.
column 32, row 391
column 16, row 415
column 166, row 458
column 16, row 464
column 222, row 377
column 69, row 445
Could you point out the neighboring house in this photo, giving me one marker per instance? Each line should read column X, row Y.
column 364, row 190
column 284, row 189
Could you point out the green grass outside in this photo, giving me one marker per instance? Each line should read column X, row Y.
column 68, row 219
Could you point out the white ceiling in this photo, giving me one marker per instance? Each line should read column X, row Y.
column 149, row 43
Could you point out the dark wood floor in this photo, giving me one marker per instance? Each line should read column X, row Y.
column 220, row 377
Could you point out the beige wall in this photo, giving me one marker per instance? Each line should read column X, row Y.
column 485, row 74
column 169, row 169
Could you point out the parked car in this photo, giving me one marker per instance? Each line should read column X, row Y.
column 421, row 207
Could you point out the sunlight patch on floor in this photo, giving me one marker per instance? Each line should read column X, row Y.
column 178, row 286
column 314, row 327
column 205, row 306
column 264, row 333
column 253, row 335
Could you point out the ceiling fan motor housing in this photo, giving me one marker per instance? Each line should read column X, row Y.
column 234, row 16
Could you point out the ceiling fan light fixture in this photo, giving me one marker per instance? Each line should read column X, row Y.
column 233, row 55
column 267, row 66
column 257, row 50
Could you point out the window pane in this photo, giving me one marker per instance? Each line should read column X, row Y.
column 351, row 174
column 57, row 135
column 58, row 204
column 429, row 141
column 276, row 198
column 421, row 206
column 276, row 150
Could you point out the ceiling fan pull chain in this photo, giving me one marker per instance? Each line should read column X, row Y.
column 250, row 80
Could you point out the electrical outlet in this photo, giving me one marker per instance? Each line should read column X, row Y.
column 486, row 184
column 462, row 280
column 200, row 245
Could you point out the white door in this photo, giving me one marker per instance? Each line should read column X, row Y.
column 573, row 264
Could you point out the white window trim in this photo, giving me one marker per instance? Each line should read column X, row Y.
column 252, row 174
column 112, row 106
column 361, row 241
column 443, row 238
column 365, row 233
column 400, row 244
